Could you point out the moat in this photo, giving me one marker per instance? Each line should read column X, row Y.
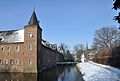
column 58, row 73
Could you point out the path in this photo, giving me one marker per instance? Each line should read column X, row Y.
column 96, row 72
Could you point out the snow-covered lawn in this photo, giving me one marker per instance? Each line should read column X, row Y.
column 97, row 72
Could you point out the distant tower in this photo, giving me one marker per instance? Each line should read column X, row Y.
column 62, row 50
column 87, row 46
column 87, row 51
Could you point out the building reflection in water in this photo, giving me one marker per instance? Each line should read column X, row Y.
column 49, row 75
column 53, row 74
column 17, row 77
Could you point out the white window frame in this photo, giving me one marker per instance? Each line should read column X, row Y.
column 11, row 61
column 0, row 61
column 30, row 47
column 8, row 48
column 30, row 34
column 2, row 49
column 29, row 61
column 17, row 61
column 6, row 61
column 17, row 48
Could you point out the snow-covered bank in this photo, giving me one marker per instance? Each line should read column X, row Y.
column 97, row 72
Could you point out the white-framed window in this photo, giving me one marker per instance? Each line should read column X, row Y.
column 30, row 47
column 6, row 61
column 0, row 61
column 17, row 48
column 30, row 34
column 29, row 61
column 2, row 49
column 17, row 61
column 8, row 48
column 11, row 61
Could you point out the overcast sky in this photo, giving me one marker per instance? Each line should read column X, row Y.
column 63, row 21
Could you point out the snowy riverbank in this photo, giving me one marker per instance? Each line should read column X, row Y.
column 97, row 72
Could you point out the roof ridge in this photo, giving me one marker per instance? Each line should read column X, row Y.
column 11, row 30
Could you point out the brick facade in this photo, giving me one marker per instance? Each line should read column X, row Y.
column 28, row 56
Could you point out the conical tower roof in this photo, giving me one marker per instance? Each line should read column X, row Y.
column 33, row 19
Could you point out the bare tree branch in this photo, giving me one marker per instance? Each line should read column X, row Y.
column 106, row 37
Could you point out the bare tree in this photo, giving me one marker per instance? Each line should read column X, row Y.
column 68, row 56
column 106, row 37
column 62, row 48
column 78, row 50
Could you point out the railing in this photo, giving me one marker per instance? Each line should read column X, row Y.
column 66, row 63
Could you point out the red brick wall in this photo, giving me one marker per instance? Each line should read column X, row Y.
column 12, row 54
column 31, row 54
column 29, row 60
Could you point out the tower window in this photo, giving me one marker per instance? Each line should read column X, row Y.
column 30, row 34
column 29, row 61
column 30, row 47
column 17, row 48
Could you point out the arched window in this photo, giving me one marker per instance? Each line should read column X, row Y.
column 11, row 61
column 8, row 48
column 30, row 34
column 29, row 61
column 17, row 48
column 30, row 47
column 2, row 49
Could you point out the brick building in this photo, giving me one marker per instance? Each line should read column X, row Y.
column 25, row 51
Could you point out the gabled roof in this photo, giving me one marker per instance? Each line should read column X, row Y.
column 33, row 19
column 12, row 36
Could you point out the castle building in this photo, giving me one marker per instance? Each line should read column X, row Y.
column 25, row 51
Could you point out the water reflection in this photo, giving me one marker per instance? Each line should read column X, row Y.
column 70, row 74
column 53, row 74
column 17, row 77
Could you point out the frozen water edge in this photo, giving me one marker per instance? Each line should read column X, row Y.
column 97, row 72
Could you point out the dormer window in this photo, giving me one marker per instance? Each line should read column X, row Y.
column 1, row 39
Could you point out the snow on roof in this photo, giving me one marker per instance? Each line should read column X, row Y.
column 12, row 36
column 95, row 72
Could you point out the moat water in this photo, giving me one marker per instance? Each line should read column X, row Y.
column 58, row 73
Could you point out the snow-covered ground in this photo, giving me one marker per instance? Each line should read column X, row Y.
column 97, row 72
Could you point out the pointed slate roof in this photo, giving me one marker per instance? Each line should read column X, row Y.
column 33, row 19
